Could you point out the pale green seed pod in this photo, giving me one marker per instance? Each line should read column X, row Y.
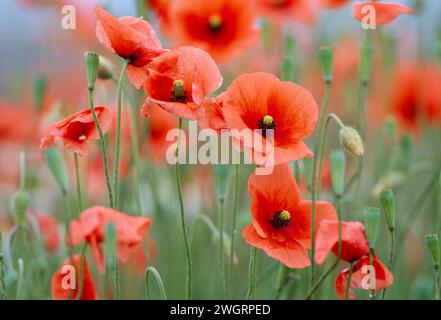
column 432, row 242
column 92, row 63
column 387, row 200
column 372, row 224
column 326, row 63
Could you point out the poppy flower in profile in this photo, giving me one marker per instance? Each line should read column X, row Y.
column 48, row 225
column 213, row 117
column 385, row 12
column 257, row 102
column 62, row 287
column 281, row 223
column 91, row 227
column 360, row 278
column 331, row 4
column 353, row 241
column 180, row 80
column 130, row 38
column 282, row 10
column 223, row 28
column 76, row 130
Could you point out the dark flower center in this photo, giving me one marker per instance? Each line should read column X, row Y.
column 266, row 123
column 281, row 219
column 215, row 22
column 179, row 94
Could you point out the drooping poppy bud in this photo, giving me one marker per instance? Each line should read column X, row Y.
column 351, row 141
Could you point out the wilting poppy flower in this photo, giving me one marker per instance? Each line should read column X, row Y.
column 281, row 220
column 297, row 10
column 353, row 241
column 62, row 287
column 333, row 3
column 77, row 129
column 48, row 225
column 180, row 80
column 91, row 227
column 213, row 117
column 223, row 28
column 360, row 278
column 130, row 38
column 260, row 101
column 385, row 12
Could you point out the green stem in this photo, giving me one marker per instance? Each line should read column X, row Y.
column 233, row 225
column 371, row 269
column 79, row 193
column 281, row 280
column 159, row 283
column 20, row 281
column 2, row 270
column 116, row 281
column 103, row 148
column 221, row 247
column 436, row 269
column 348, row 285
column 251, row 295
column 182, row 214
column 81, row 275
column 118, row 134
column 314, row 178
column 391, row 256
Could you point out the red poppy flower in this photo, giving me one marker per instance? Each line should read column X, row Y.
column 333, row 3
column 360, row 278
column 260, row 101
column 279, row 10
column 142, row 256
column 281, row 220
column 180, row 80
column 130, row 38
column 61, row 281
column 353, row 240
column 417, row 97
column 223, row 28
column 48, row 229
column 91, row 227
column 77, row 129
column 385, row 12
column 213, row 117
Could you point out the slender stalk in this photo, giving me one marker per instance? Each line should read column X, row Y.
column 159, row 283
column 182, row 211
column 348, row 285
column 2, row 270
column 79, row 193
column 103, row 148
column 136, row 162
column 251, row 295
column 118, row 134
column 281, row 280
column 391, row 257
column 371, row 268
column 116, row 281
column 20, row 281
column 221, row 247
column 233, row 225
column 81, row 275
column 436, row 269
column 314, row 178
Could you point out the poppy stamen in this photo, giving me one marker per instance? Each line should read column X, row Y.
column 179, row 94
column 82, row 138
column 215, row 21
column 281, row 219
column 266, row 123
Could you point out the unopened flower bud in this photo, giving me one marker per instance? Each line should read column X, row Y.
column 387, row 200
column 326, row 63
column 106, row 69
column 92, row 63
column 20, row 202
column 337, row 159
column 432, row 242
column 57, row 167
column 351, row 141
column 372, row 224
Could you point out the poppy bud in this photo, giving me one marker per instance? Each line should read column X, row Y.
column 337, row 159
column 92, row 63
column 106, row 69
column 387, row 200
column 57, row 168
column 326, row 63
column 366, row 53
column 20, row 202
column 372, row 225
column 351, row 141
column 432, row 242
column 39, row 87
